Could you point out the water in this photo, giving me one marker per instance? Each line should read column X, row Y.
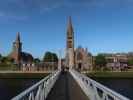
column 12, row 87
column 123, row 86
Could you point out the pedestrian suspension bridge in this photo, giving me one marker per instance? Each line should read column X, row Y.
column 69, row 85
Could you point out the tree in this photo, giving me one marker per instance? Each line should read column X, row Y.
column 130, row 62
column 100, row 61
column 37, row 60
column 50, row 57
column 55, row 58
column 4, row 59
column 0, row 57
column 7, row 60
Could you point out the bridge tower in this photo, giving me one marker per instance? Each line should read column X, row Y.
column 70, row 45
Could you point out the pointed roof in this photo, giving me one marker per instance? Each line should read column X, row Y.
column 18, row 37
column 70, row 27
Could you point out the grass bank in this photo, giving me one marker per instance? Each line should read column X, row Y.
column 23, row 75
column 110, row 74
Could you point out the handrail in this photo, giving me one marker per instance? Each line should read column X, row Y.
column 40, row 90
column 95, row 90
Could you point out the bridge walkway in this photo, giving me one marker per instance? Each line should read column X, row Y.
column 66, row 88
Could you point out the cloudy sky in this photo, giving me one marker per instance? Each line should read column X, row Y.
column 99, row 25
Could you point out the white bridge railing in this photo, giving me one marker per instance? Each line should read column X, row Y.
column 40, row 90
column 95, row 90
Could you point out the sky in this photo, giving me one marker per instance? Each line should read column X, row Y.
column 99, row 25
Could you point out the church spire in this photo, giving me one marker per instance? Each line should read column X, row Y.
column 17, row 45
column 18, row 37
column 17, row 49
column 70, row 27
column 70, row 45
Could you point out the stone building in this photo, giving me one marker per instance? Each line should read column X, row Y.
column 76, row 58
column 116, row 61
column 83, row 59
column 17, row 55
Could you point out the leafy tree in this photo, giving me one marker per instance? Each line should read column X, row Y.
column 130, row 62
column 4, row 59
column 0, row 57
column 100, row 61
column 37, row 60
column 50, row 57
column 7, row 60
column 55, row 58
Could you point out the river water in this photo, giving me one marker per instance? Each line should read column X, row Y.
column 123, row 86
column 11, row 87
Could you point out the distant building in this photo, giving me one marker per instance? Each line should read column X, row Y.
column 116, row 61
column 76, row 59
column 17, row 55
column 83, row 59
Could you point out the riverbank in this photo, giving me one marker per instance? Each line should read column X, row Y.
column 110, row 74
column 42, row 74
column 23, row 75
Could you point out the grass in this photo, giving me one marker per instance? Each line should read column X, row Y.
column 4, row 67
column 110, row 74
column 23, row 75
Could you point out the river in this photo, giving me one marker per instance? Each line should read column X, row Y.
column 123, row 86
column 11, row 87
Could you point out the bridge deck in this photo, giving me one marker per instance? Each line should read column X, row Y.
column 66, row 88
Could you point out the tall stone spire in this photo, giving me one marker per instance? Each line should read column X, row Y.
column 70, row 27
column 70, row 45
column 70, row 34
column 18, row 37
column 17, row 49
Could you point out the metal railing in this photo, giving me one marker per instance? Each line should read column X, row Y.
column 95, row 90
column 40, row 90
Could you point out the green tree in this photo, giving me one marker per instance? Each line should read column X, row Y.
column 0, row 57
column 55, row 58
column 37, row 60
column 7, row 60
column 50, row 57
column 100, row 61
column 4, row 59
column 130, row 62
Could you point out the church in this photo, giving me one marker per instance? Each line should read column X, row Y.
column 18, row 55
column 78, row 58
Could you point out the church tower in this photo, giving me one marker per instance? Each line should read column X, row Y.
column 17, row 49
column 70, row 45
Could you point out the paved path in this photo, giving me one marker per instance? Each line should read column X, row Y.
column 66, row 88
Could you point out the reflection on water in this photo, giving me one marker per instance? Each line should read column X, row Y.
column 11, row 87
column 123, row 86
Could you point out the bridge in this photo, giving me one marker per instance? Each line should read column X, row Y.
column 69, row 85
